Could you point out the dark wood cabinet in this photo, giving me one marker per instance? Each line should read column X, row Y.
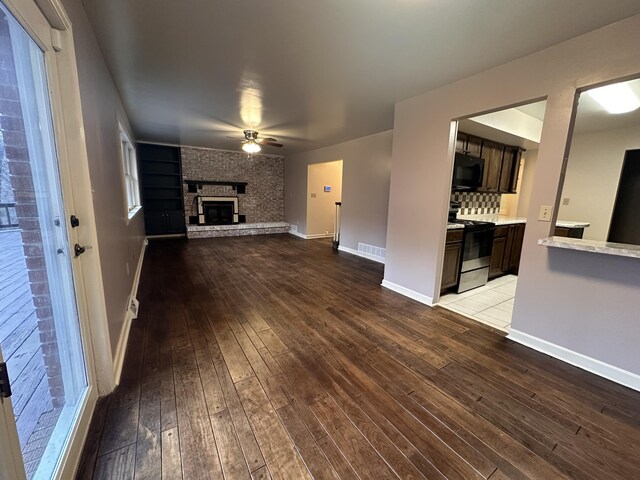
column 469, row 145
column 516, row 252
column 507, row 247
column 510, row 169
column 452, row 257
column 162, row 191
column 501, row 162
column 568, row 232
column 492, row 153
column 500, row 236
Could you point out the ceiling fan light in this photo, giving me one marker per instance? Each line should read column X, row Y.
column 251, row 147
column 616, row 98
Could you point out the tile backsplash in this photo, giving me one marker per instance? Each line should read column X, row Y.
column 474, row 203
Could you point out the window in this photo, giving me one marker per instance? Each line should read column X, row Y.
column 130, row 174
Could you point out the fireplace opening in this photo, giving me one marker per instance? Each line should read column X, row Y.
column 218, row 213
column 217, row 210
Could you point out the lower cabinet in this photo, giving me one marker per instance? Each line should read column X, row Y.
column 158, row 223
column 507, row 247
column 568, row 232
column 452, row 258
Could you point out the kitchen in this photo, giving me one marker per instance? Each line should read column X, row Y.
column 493, row 172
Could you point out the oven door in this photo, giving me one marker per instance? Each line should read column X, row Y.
column 477, row 249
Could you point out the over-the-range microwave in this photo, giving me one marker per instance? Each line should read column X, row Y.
column 467, row 173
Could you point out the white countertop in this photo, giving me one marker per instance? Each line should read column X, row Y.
column 619, row 249
column 454, row 226
column 505, row 220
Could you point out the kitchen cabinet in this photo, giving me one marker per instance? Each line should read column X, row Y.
column 469, row 144
column 497, row 252
column 501, row 162
column 568, row 232
column 510, row 169
column 452, row 258
column 507, row 248
column 492, row 153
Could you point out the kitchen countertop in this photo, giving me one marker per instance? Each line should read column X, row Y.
column 505, row 220
column 619, row 249
column 454, row 226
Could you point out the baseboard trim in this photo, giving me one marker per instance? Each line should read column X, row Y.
column 597, row 367
column 298, row 234
column 118, row 359
column 418, row 297
column 353, row 251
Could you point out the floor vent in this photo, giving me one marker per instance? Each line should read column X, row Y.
column 371, row 250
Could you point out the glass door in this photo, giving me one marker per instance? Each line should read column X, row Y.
column 40, row 337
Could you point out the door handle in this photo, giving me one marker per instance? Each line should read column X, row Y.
column 79, row 249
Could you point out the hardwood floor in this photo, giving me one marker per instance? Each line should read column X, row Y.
column 274, row 357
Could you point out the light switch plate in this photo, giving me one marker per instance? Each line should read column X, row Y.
column 544, row 214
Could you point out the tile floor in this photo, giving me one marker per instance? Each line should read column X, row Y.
column 491, row 304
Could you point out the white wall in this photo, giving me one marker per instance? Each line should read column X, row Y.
column 365, row 187
column 119, row 241
column 321, row 205
column 584, row 302
column 593, row 174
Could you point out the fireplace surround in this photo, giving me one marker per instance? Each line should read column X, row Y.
column 218, row 210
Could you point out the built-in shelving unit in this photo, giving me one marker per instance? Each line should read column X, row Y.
column 162, row 193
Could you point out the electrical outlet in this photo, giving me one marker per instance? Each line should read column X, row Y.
column 544, row 214
column 565, row 201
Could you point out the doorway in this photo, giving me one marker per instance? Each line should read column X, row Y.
column 324, row 189
column 43, row 361
column 502, row 146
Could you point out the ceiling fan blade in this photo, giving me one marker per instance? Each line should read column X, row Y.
column 267, row 139
column 272, row 144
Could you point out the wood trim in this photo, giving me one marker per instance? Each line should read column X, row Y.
column 610, row 372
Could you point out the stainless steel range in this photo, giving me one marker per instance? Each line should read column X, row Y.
column 477, row 243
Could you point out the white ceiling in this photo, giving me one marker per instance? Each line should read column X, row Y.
column 591, row 116
column 312, row 73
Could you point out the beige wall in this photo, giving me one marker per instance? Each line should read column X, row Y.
column 593, row 174
column 584, row 302
column 365, row 188
column 119, row 241
column 321, row 205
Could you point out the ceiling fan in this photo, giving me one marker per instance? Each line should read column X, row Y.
column 252, row 144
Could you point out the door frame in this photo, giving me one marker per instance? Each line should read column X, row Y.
column 49, row 26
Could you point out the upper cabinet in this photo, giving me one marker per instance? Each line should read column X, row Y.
column 501, row 162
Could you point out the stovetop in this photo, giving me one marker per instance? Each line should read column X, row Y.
column 473, row 224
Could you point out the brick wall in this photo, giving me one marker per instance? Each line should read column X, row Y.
column 263, row 200
column 20, row 175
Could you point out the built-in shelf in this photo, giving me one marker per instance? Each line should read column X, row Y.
column 593, row 246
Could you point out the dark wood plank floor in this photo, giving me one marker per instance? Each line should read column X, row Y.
column 273, row 357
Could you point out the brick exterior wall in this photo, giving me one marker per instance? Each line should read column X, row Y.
column 263, row 200
column 17, row 155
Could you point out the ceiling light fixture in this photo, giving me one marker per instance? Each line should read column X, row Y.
column 251, row 147
column 616, row 98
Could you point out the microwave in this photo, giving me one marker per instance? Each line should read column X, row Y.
column 467, row 172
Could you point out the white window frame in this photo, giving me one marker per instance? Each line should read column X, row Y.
column 130, row 174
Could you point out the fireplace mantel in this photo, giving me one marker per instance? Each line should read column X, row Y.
column 193, row 185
